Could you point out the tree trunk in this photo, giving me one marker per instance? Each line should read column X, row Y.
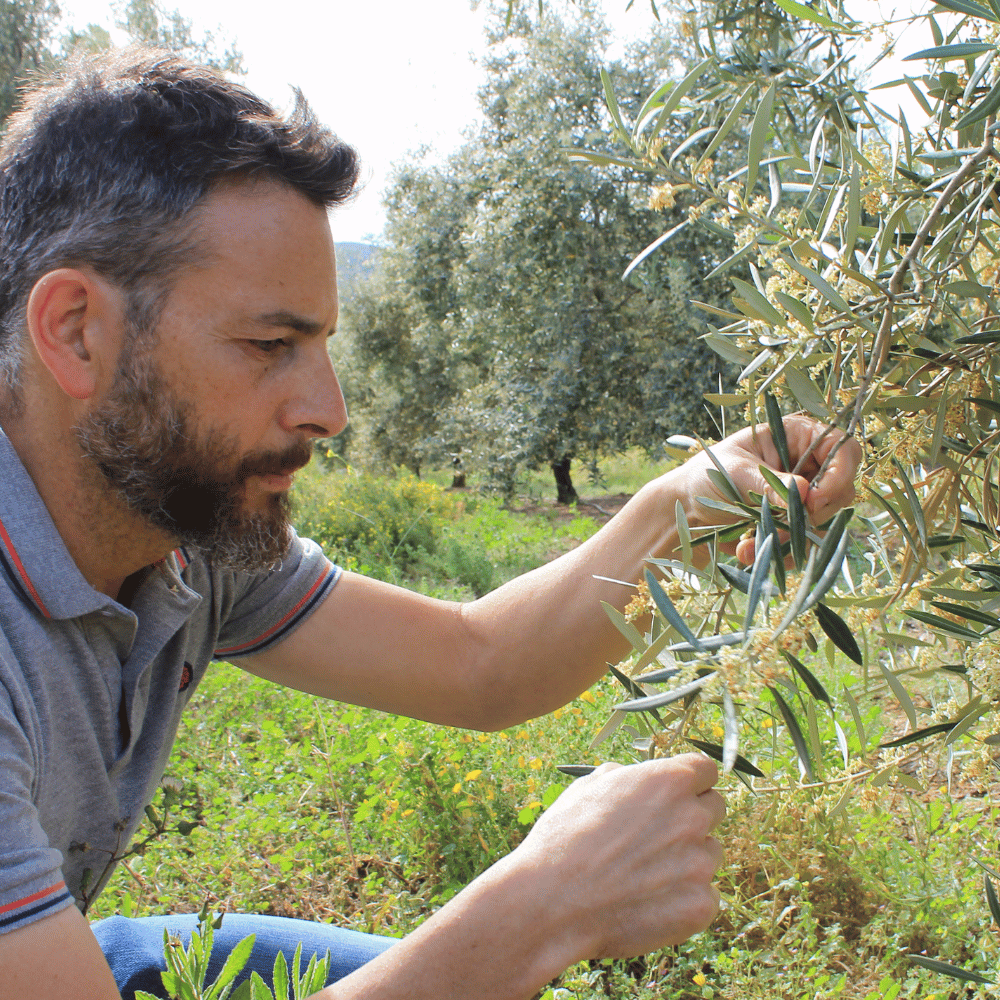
column 564, row 484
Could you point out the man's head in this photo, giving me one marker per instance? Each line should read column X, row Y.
column 104, row 167
column 188, row 202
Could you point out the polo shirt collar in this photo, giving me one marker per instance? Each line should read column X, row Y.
column 34, row 557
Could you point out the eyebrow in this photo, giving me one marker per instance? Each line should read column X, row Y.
column 290, row 321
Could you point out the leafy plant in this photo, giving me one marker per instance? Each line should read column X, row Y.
column 954, row 971
column 187, row 969
column 386, row 525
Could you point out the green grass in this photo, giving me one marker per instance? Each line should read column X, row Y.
column 333, row 813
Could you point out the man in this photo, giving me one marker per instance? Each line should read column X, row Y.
column 167, row 287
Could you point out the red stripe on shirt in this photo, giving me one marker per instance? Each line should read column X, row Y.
column 19, row 566
column 31, row 899
column 274, row 628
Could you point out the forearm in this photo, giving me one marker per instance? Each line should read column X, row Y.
column 543, row 638
column 523, row 650
column 538, row 641
column 498, row 939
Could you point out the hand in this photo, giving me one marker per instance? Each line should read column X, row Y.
column 628, row 854
column 742, row 453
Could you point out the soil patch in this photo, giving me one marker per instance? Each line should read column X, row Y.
column 600, row 508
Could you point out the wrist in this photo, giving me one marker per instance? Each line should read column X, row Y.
column 503, row 937
column 656, row 504
column 524, row 897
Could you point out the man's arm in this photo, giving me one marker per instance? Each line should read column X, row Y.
column 535, row 643
column 622, row 864
column 55, row 958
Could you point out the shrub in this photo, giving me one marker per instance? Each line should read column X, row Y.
column 382, row 525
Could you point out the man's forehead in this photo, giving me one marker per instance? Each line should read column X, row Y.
column 234, row 207
column 271, row 248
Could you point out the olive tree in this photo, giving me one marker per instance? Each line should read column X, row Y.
column 26, row 34
column 865, row 290
column 501, row 328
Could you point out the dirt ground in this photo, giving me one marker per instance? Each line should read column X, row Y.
column 600, row 508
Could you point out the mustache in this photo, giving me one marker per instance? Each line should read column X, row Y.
column 275, row 463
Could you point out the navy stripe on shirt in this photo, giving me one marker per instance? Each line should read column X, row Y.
column 24, row 914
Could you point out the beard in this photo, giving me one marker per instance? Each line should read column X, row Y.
column 145, row 444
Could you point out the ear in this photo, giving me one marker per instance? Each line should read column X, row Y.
column 74, row 321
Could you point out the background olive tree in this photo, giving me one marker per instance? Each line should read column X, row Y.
column 500, row 330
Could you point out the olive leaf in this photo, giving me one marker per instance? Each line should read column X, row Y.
column 777, row 427
column 718, row 753
column 838, row 632
column 805, row 764
column 808, row 678
column 647, row 702
column 797, row 526
column 943, row 967
column 666, row 608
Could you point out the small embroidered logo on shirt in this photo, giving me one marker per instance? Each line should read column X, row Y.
column 186, row 675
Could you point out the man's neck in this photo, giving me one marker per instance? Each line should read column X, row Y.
column 108, row 542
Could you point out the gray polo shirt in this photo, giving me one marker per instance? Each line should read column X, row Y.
column 91, row 692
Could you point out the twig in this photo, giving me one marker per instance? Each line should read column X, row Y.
column 880, row 349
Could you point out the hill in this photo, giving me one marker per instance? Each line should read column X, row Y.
column 355, row 261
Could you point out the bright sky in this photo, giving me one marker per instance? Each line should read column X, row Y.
column 387, row 75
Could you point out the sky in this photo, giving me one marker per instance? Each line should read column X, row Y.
column 388, row 76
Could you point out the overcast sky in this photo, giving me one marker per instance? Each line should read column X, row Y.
column 387, row 75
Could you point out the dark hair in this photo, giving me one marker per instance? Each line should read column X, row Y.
column 104, row 164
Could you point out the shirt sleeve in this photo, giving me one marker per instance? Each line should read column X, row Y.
column 268, row 607
column 31, row 879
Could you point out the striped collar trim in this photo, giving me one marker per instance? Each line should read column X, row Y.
column 14, row 568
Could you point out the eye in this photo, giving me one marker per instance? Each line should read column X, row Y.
column 270, row 346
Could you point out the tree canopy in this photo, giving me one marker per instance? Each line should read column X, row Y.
column 500, row 329
column 30, row 45
column 26, row 34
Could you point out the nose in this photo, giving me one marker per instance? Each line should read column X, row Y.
column 317, row 408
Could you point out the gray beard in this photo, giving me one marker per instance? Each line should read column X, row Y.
column 143, row 441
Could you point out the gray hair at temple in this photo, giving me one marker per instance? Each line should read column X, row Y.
column 103, row 166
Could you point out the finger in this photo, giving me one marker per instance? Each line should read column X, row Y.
column 808, row 437
column 716, row 852
column 753, row 479
column 715, row 805
column 701, row 771
column 836, row 487
column 746, row 549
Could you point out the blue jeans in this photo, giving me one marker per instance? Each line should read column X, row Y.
column 134, row 948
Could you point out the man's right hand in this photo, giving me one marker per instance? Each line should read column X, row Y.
column 620, row 865
column 631, row 851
